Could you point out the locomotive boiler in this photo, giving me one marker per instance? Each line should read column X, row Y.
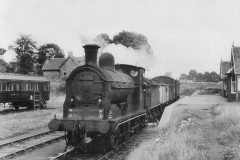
column 107, row 102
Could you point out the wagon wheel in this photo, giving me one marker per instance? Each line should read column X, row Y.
column 115, row 141
column 16, row 108
column 126, row 136
column 137, row 122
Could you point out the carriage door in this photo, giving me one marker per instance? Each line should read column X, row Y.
column 147, row 99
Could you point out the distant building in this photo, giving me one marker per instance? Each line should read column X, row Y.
column 61, row 67
column 231, row 79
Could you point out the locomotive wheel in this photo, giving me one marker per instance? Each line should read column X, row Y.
column 115, row 141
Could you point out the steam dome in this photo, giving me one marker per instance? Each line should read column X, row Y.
column 107, row 61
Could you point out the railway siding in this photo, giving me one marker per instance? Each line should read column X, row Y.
column 19, row 146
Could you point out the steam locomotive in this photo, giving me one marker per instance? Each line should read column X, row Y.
column 107, row 102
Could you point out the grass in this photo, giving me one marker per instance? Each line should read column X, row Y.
column 200, row 132
column 182, row 140
column 228, row 118
column 188, row 88
column 25, row 122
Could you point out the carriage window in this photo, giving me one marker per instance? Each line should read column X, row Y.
column 23, row 87
column 36, row 87
column 8, row 86
column 46, row 87
column 4, row 87
column 16, row 87
column 32, row 87
column 12, row 87
column 28, row 87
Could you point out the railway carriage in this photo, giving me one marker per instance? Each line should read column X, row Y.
column 24, row 91
column 107, row 102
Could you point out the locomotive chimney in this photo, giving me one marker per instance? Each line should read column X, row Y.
column 91, row 51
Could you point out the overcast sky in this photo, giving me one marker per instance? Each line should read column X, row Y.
column 184, row 34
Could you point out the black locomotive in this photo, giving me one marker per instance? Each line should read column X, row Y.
column 108, row 102
column 24, row 91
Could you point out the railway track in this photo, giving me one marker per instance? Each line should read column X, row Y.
column 69, row 153
column 22, row 145
column 62, row 156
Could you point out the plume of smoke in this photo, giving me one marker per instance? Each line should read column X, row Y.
column 84, row 39
column 124, row 55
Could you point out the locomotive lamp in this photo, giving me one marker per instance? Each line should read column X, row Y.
column 72, row 102
column 70, row 113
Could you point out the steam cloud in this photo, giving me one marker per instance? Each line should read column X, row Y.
column 124, row 55
column 127, row 55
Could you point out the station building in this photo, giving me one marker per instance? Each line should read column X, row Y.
column 230, row 76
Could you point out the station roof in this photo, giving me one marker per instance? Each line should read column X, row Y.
column 236, row 59
column 224, row 68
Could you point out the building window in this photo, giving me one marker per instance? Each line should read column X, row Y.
column 238, row 80
column 64, row 73
column 233, row 84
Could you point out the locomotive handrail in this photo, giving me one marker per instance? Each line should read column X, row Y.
column 123, row 87
column 129, row 120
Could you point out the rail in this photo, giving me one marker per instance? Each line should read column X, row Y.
column 19, row 146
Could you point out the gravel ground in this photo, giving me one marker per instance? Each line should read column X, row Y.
column 50, row 150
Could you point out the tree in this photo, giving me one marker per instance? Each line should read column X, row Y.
column 183, row 77
column 3, row 65
column 132, row 39
column 25, row 49
column 2, row 51
column 193, row 75
column 206, row 76
column 200, row 77
column 52, row 50
column 12, row 67
column 214, row 77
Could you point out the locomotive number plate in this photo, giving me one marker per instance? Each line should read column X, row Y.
column 85, row 78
